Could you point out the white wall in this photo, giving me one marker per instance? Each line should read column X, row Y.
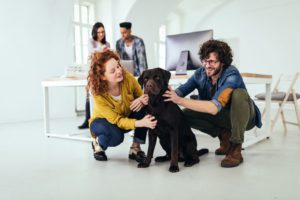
column 147, row 16
column 111, row 13
column 35, row 44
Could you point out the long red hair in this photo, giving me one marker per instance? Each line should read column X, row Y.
column 96, row 85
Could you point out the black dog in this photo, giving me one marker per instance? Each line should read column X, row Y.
column 176, row 136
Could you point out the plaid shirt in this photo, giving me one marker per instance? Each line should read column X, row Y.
column 139, row 54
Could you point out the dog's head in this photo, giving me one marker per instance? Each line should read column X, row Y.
column 155, row 81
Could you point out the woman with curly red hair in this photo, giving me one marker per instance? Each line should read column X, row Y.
column 118, row 106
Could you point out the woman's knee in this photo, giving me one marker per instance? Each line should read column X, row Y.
column 110, row 134
column 116, row 139
column 99, row 126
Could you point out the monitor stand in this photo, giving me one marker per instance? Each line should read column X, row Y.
column 182, row 63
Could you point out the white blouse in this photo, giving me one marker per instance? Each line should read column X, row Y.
column 96, row 46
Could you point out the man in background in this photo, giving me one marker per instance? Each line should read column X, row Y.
column 131, row 47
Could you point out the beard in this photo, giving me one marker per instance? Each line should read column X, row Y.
column 216, row 71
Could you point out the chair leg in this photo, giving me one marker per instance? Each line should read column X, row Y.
column 297, row 110
column 276, row 116
column 255, row 131
column 283, row 121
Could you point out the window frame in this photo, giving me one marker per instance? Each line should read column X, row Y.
column 83, row 42
column 162, row 33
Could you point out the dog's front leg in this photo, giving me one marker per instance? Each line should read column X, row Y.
column 174, row 151
column 151, row 146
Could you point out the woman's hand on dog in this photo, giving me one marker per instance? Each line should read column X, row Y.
column 144, row 99
column 148, row 121
column 171, row 96
column 138, row 103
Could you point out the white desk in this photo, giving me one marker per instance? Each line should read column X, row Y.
column 60, row 82
column 248, row 78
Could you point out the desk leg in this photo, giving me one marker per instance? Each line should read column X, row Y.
column 73, row 136
column 46, row 111
column 268, row 110
column 75, row 97
column 267, row 122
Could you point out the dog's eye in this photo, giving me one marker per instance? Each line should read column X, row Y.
column 146, row 79
column 157, row 78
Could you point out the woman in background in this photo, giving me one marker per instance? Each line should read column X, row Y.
column 118, row 106
column 96, row 43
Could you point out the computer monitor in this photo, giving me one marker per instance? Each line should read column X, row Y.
column 128, row 65
column 182, row 50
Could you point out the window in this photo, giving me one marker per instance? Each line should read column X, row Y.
column 162, row 46
column 83, row 21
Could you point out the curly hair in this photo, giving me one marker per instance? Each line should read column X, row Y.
column 96, row 85
column 221, row 48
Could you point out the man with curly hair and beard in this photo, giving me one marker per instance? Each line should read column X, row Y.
column 223, row 108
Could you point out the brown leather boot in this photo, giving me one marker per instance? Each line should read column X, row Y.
column 234, row 156
column 224, row 142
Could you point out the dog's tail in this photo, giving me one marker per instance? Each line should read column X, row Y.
column 202, row 151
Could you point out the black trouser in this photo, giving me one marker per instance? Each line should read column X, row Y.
column 238, row 118
column 87, row 108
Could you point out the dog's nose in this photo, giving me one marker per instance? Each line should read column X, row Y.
column 149, row 85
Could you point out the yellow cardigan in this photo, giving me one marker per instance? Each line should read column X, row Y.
column 117, row 112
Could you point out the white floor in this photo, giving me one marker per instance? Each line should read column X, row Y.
column 35, row 167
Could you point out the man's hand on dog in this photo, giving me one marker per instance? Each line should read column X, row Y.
column 171, row 96
column 138, row 103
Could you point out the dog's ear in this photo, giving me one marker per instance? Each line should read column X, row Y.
column 141, row 79
column 167, row 76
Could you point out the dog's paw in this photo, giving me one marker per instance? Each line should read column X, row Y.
column 174, row 169
column 143, row 165
column 189, row 163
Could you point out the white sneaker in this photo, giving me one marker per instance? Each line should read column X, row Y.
column 95, row 145
column 99, row 153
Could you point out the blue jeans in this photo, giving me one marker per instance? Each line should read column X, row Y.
column 110, row 135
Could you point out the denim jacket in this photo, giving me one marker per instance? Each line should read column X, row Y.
column 230, row 78
column 139, row 54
